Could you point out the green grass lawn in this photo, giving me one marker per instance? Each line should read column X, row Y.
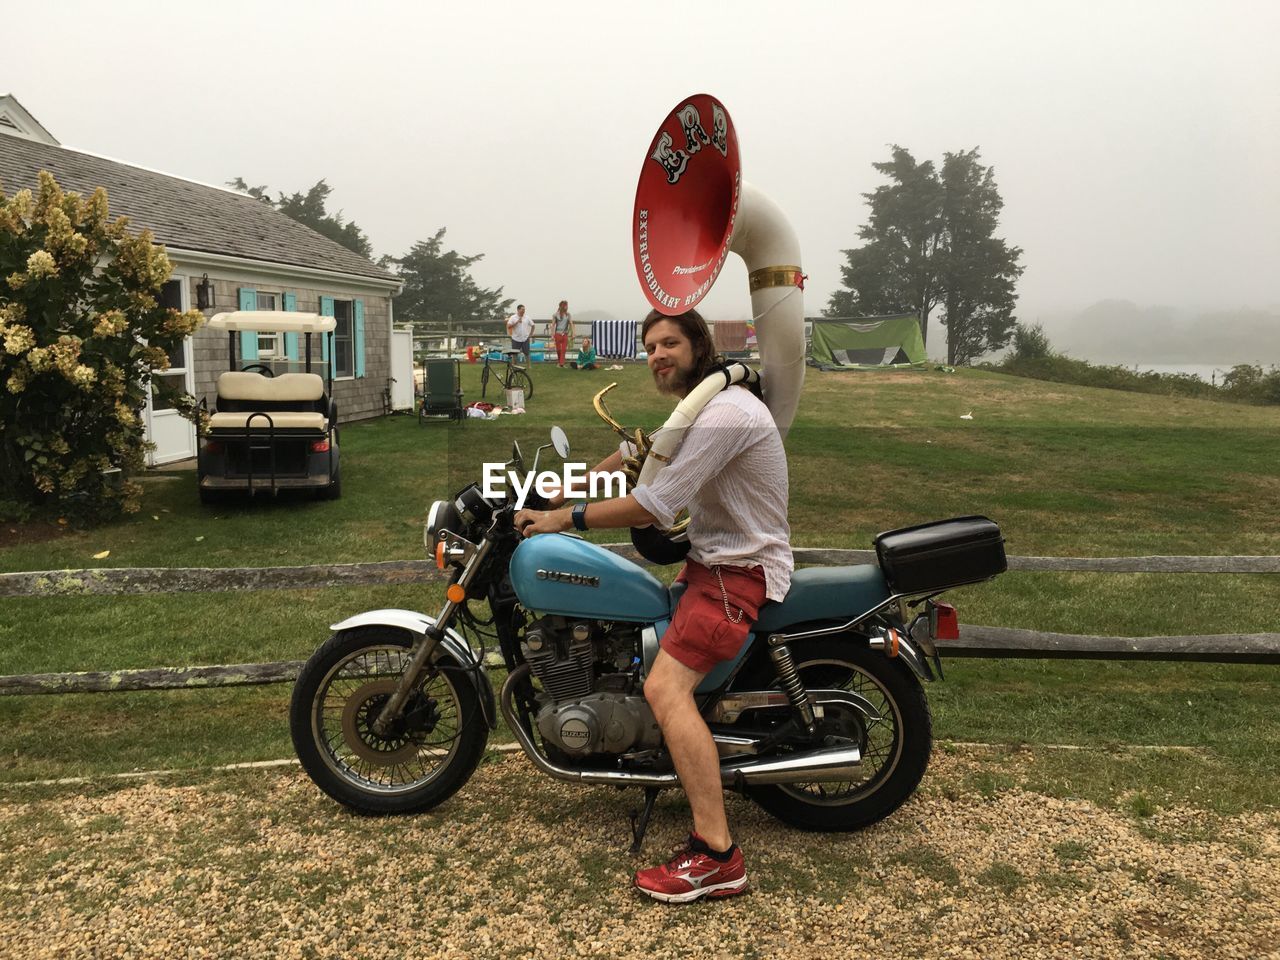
column 1069, row 471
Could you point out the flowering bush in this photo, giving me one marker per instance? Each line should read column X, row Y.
column 81, row 331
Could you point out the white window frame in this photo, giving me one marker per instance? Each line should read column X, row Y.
column 351, row 304
column 268, row 343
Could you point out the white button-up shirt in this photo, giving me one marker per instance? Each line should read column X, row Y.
column 730, row 472
column 520, row 328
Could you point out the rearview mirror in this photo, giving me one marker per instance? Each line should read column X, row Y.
column 560, row 441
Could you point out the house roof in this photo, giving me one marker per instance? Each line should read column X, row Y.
column 16, row 121
column 182, row 213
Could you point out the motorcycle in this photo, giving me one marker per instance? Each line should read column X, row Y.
column 821, row 718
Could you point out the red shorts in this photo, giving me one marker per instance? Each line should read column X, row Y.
column 700, row 635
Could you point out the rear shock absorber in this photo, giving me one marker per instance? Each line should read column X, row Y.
column 802, row 703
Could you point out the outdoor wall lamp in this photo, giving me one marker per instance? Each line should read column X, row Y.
column 204, row 293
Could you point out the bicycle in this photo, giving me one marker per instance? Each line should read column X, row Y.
column 514, row 376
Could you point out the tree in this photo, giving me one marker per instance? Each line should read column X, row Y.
column 1030, row 343
column 81, row 332
column 438, row 286
column 893, row 273
column 309, row 209
column 931, row 243
column 977, row 269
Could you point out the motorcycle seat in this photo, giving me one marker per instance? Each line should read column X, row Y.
column 825, row 593
column 818, row 593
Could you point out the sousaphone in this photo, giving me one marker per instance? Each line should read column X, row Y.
column 692, row 210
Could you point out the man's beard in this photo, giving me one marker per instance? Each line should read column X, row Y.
column 676, row 383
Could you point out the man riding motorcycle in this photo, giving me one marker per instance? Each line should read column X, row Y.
column 730, row 472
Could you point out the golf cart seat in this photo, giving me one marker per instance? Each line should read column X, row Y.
column 293, row 401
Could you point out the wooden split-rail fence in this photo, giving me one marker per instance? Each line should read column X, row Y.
column 975, row 641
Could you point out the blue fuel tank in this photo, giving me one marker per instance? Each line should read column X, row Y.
column 562, row 574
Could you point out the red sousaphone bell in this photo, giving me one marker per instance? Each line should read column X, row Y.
column 686, row 202
column 681, row 228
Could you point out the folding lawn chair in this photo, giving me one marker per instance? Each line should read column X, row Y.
column 441, row 391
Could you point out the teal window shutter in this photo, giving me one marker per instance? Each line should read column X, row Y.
column 291, row 351
column 248, row 338
column 326, row 310
column 357, row 336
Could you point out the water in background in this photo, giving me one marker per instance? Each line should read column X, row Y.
column 1205, row 371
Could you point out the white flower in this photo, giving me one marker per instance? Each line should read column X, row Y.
column 18, row 339
column 41, row 264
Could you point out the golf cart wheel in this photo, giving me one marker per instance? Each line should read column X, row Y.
column 334, row 490
column 211, row 497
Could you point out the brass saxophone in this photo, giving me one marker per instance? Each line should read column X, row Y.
column 631, row 466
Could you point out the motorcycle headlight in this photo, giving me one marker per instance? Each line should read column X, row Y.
column 444, row 515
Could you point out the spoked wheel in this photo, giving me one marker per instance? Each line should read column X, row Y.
column 520, row 380
column 893, row 730
column 427, row 754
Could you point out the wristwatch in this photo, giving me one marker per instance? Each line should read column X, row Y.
column 579, row 514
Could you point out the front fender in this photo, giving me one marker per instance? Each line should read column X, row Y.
column 452, row 645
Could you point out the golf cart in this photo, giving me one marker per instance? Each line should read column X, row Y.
column 273, row 428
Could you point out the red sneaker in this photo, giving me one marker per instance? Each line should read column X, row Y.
column 693, row 873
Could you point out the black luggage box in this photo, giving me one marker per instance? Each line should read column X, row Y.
column 942, row 554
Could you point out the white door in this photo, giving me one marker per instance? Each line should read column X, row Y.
column 174, row 436
column 402, row 369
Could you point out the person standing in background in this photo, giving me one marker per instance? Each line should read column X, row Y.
column 560, row 326
column 520, row 329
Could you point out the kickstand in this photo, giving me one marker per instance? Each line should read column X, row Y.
column 640, row 819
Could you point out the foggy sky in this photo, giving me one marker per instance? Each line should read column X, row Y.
column 1136, row 145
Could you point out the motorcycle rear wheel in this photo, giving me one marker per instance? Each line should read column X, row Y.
column 895, row 747
column 432, row 752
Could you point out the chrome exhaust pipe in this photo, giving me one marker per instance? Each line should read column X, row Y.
column 828, row 765
column 815, row 766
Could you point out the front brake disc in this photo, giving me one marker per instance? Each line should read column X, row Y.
column 362, row 708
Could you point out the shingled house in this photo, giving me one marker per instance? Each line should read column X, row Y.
column 253, row 257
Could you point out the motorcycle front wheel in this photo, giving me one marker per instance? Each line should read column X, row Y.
column 428, row 754
column 895, row 736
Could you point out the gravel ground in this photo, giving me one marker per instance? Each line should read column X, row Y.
column 259, row 864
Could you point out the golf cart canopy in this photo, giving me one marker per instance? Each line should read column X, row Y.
column 273, row 321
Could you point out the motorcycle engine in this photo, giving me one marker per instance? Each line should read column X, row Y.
column 592, row 700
